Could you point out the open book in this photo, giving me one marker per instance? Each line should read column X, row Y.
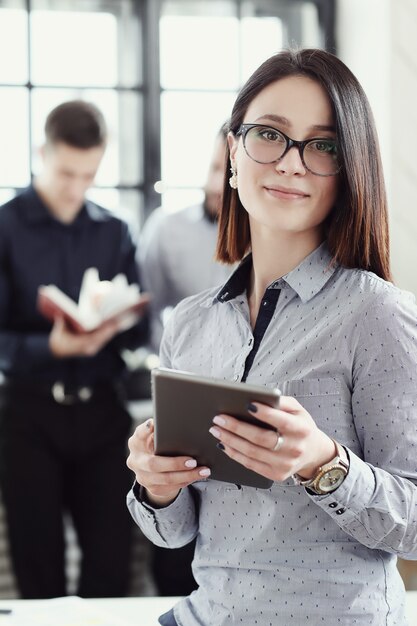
column 99, row 302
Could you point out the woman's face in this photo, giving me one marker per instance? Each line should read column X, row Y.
column 284, row 196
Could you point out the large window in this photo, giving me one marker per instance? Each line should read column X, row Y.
column 164, row 72
column 60, row 50
column 207, row 51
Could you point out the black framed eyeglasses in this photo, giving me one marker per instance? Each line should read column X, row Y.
column 265, row 144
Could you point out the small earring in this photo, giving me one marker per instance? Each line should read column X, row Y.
column 233, row 178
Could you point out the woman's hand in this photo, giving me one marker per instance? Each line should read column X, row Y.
column 162, row 476
column 302, row 449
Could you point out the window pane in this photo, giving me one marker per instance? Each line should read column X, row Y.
column 199, row 52
column 14, row 133
column 107, row 36
column 73, row 48
column 6, row 195
column 261, row 38
column 310, row 26
column 300, row 20
column 190, row 123
column 126, row 204
column 13, row 45
column 122, row 162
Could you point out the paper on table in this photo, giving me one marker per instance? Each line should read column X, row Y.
column 68, row 611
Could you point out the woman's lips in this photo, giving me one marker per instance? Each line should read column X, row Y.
column 286, row 193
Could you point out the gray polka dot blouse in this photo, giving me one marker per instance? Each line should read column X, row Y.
column 344, row 343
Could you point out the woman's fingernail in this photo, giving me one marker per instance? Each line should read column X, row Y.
column 215, row 432
column 205, row 472
column 220, row 446
column 252, row 407
column 220, row 421
column 191, row 463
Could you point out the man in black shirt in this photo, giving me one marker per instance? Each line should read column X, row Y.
column 63, row 425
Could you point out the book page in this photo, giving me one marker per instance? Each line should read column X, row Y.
column 99, row 301
column 88, row 284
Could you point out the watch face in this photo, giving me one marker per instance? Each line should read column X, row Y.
column 331, row 479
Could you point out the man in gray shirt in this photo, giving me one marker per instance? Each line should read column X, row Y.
column 176, row 261
column 177, row 249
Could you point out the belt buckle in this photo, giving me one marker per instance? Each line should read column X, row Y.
column 83, row 394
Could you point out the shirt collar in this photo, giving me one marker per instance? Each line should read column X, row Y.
column 307, row 279
column 36, row 211
column 33, row 207
column 312, row 274
column 238, row 281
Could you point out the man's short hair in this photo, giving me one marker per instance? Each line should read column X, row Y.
column 76, row 123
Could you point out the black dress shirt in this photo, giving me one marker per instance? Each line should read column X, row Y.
column 36, row 249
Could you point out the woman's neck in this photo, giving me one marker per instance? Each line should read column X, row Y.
column 273, row 257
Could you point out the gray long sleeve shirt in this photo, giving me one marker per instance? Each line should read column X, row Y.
column 344, row 343
column 177, row 260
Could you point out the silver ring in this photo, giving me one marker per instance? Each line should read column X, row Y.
column 279, row 443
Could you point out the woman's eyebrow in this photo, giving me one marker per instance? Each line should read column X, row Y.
column 285, row 122
column 324, row 127
column 274, row 118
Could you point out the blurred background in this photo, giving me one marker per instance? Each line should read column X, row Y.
column 165, row 74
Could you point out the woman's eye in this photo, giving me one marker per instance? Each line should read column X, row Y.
column 326, row 147
column 270, row 135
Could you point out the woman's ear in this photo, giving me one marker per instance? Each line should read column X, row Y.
column 233, row 144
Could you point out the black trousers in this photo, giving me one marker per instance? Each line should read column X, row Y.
column 56, row 458
column 171, row 568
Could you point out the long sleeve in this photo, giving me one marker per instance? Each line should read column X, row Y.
column 154, row 274
column 170, row 527
column 177, row 524
column 377, row 503
column 138, row 334
column 36, row 249
column 20, row 352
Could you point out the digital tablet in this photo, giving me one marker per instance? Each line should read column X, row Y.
column 184, row 406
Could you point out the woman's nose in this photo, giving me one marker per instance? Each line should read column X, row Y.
column 291, row 163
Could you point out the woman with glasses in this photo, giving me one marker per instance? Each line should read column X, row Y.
column 310, row 309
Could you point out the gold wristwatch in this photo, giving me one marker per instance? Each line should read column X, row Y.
column 329, row 476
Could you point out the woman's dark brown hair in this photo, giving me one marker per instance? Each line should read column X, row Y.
column 357, row 228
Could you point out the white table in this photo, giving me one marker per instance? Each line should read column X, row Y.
column 145, row 611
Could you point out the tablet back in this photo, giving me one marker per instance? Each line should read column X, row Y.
column 184, row 406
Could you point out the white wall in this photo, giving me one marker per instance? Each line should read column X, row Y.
column 404, row 137
column 378, row 41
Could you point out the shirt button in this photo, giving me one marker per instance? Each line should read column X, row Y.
column 340, row 511
column 333, row 505
column 265, row 303
column 236, row 377
column 250, row 342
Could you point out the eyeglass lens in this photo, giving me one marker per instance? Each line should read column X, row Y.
column 267, row 145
